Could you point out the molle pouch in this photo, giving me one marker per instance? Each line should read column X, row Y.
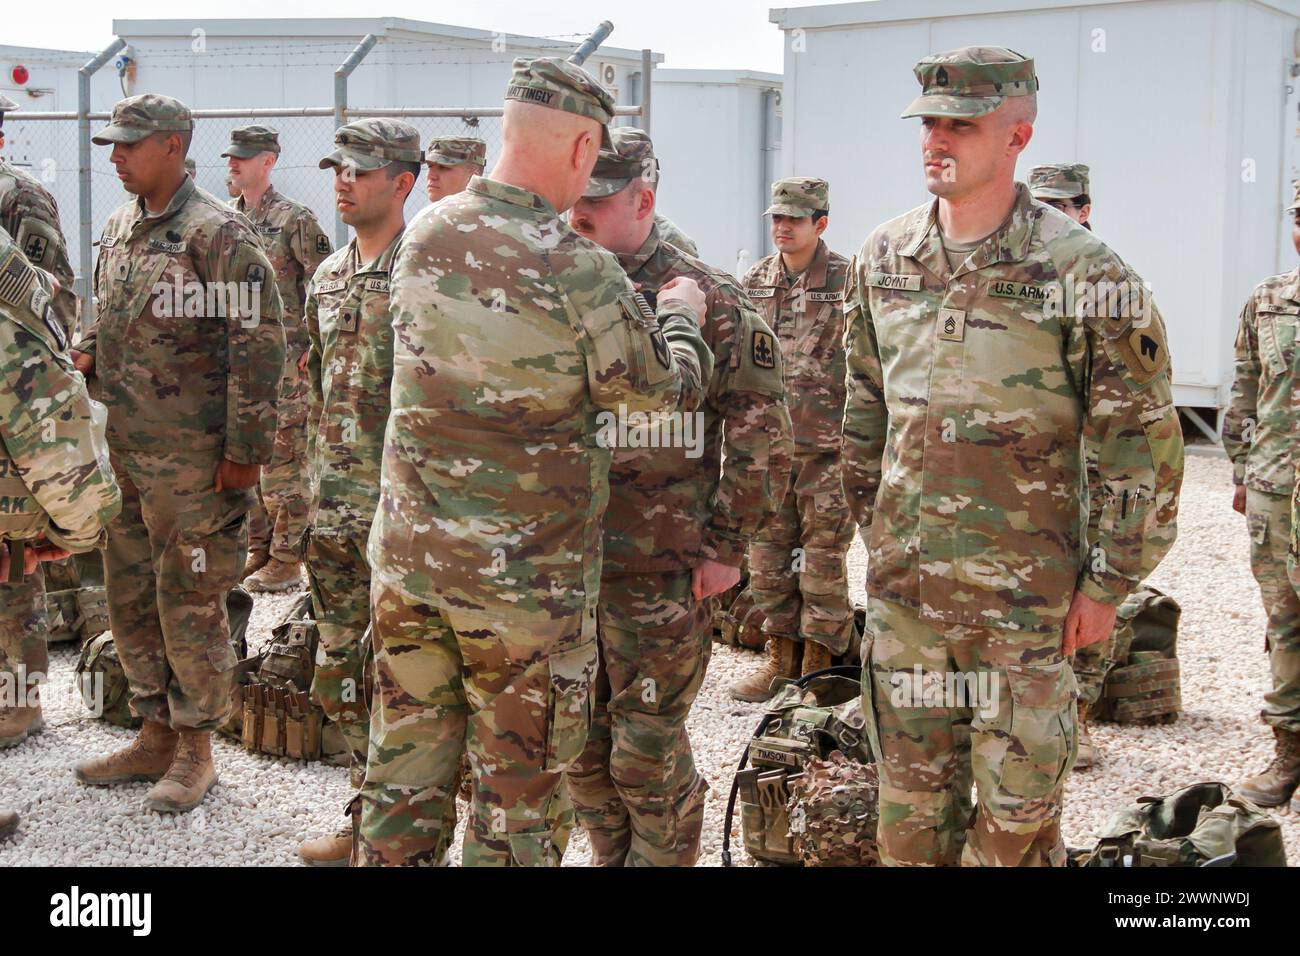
column 272, row 741
column 254, row 703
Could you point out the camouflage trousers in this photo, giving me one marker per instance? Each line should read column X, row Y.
column 173, row 555
column 513, row 694
column 1268, row 519
column 797, row 559
column 948, row 703
column 339, row 577
column 280, row 515
column 1089, row 664
column 635, row 788
column 24, row 626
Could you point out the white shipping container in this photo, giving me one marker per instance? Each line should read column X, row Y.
column 1185, row 110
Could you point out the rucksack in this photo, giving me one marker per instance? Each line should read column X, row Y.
column 834, row 811
column 739, row 621
column 806, row 720
column 1142, row 678
column 100, row 674
column 272, row 711
column 1206, row 824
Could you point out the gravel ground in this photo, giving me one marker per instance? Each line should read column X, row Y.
column 264, row 807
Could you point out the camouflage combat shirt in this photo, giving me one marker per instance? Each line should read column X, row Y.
column 31, row 216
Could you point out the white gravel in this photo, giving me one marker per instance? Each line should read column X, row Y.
column 263, row 808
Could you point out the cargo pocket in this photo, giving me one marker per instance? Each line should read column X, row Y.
column 1257, row 524
column 1042, row 728
column 210, row 563
column 533, row 848
column 871, row 728
column 572, row 673
column 222, row 656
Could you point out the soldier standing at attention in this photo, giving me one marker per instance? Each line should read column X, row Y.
column 349, row 372
column 1259, row 434
column 680, row 515
column 1064, row 187
column 188, row 349
column 978, row 355
column 295, row 243
column 797, row 560
column 31, row 217
column 56, row 482
column 511, row 334
column 452, row 161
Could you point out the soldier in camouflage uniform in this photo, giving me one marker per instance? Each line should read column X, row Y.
column 670, row 233
column 31, row 216
column 981, row 347
column 191, row 167
column 452, row 162
column 56, row 484
column 680, row 515
column 349, row 372
column 1259, row 434
column 511, row 333
column 797, row 561
column 1064, row 187
column 296, row 245
column 188, row 349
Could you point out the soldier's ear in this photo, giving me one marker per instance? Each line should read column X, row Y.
column 820, row 223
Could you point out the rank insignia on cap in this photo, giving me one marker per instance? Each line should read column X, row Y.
column 762, row 350
column 322, row 244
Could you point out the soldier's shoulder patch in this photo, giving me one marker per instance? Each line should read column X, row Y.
column 322, row 244
column 16, row 279
column 1143, row 351
column 37, row 240
column 636, row 308
column 762, row 349
column 255, row 275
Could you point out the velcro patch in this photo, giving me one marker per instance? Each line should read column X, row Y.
column 636, row 308
column 889, row 280
column 376, row 285
column 1030, row 291
column 323, row 245
column 763, row 349
column 108, row 242
column 1273, row 307
column 16, row 279
column 332, row 285
column 56, row 330
column 760, row 293
column 347, row 320
column 267, row 229
column 826, row 296
column 1143, row 351
column 255, row 275
column 162, row 245
column 952, row 324
column 40, row 301
column 36, row 239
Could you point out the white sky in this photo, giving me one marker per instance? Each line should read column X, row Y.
column 719, row 34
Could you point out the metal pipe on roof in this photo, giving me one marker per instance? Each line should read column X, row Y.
column 340, row 109
column 588, row 46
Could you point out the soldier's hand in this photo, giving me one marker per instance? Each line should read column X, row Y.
column 709, row 578
column 1087, row 622
column 1239, row 499
column 84, row 361
column 43, row 550
column 686, row 291
column 232, row 476
column 302, row 360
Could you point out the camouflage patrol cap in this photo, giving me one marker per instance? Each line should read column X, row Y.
column 971, row 81
column 136, row 117
column 373, row 143
column 1295, row 196
column 560, row 85
column 1058, row 181
column 456, row 151
column 630, row 156
column 799, row 196
column 248, row 141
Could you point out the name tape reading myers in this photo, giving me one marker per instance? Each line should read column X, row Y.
column 1075, row 298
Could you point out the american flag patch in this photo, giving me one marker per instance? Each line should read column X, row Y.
column 16, row 279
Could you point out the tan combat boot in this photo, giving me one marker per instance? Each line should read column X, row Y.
column 1279, row 780
column 19, row 723
column 256, row 561
column 8, row 822
column 336, row 848
column 782, row 661
column 275, row 575
column 1087, row 755
column 145, row 758
column 816, row 657
column 189, row 778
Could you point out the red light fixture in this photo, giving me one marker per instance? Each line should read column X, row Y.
column 20, row 75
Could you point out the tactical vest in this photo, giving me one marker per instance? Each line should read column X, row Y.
column 272, row 711
column 102, row 681
column 76, row 602
column 1206, row 824
column 805, row 720
column 1142, row 679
